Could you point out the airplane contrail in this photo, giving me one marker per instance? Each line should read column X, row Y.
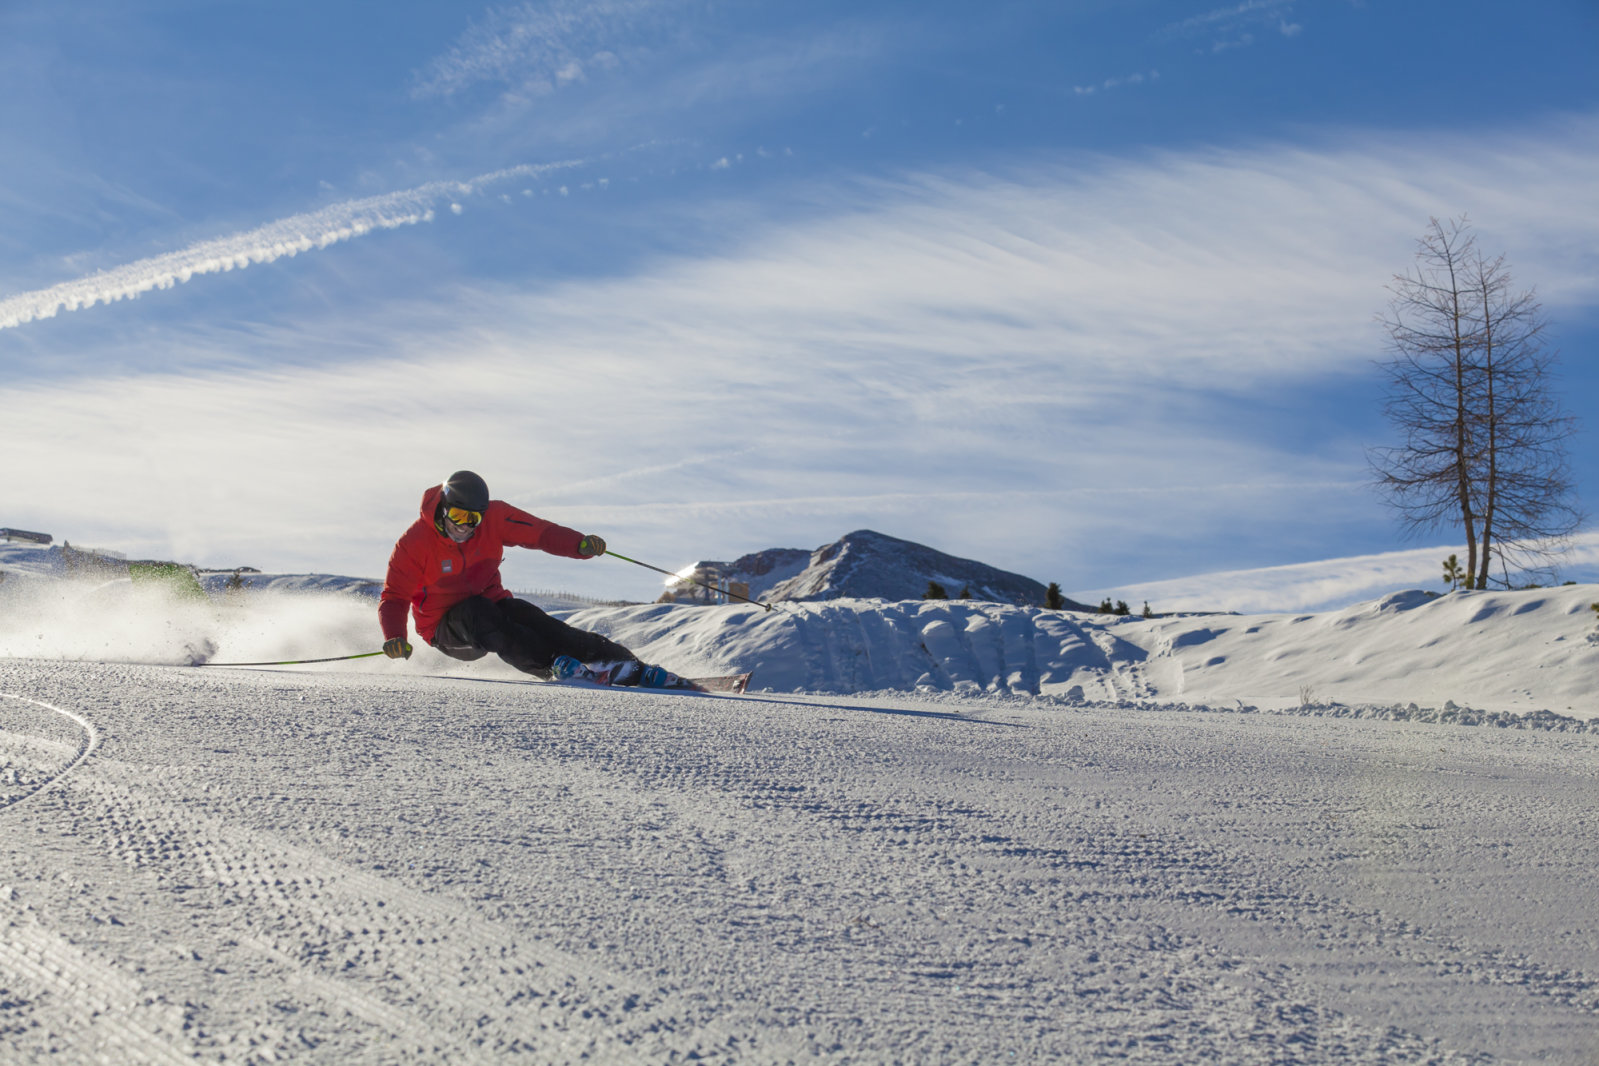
column 287, row 236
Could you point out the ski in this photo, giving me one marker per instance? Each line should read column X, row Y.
column 605, row 675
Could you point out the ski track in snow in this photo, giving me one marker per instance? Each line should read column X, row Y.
column 351, row 868
column 37, row 759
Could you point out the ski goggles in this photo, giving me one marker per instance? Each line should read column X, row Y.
column 462, row 517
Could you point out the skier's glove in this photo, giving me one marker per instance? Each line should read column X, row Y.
column 396, row 648
column 590, row 546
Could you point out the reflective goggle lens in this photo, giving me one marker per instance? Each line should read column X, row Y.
column 462, row 517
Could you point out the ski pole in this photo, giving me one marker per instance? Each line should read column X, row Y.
column 701, row 584
column 301, row 662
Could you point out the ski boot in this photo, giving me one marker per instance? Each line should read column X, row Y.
column 566, row 668
column 660, row 677
column 632, row 673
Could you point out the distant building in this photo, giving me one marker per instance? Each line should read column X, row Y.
column 706, row 584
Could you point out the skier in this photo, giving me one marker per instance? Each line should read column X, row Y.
column 446, row 569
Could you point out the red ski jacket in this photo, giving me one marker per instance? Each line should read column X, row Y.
column 430, row 573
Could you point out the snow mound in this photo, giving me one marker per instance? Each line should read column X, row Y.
column 1494, row 651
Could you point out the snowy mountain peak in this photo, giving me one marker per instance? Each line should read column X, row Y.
column 866, row 564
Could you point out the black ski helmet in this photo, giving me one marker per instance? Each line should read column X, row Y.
column 466, row 490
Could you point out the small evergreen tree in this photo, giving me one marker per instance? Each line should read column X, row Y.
column 935, row 591
column 1122, row 608
column 1454, row 575
column 1147, row 612
column 1053, row 599
column 1105, row 607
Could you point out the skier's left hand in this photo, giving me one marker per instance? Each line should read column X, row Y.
column 590, row 546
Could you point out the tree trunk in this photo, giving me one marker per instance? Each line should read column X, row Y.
column 1463, row 422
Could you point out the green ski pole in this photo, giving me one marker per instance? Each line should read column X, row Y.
column 301, row 662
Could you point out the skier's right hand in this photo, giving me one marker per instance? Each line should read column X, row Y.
column 396, row 648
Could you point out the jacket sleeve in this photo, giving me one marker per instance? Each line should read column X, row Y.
column 522, row 530
column 399, row 589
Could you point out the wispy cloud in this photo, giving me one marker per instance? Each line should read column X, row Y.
column 1136, row 78
column 1236, row 26
column 264, row 244
column 537, row 48
column 1227, row 19
column 650, row 70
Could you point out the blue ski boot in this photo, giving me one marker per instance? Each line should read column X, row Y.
column 566, row 668
column 658, row 677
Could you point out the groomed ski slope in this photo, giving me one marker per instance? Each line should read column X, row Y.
column 1202, row 840
column 356, row 868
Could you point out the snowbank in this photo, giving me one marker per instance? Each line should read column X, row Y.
column 1508, row 651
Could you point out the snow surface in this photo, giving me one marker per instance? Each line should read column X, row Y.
column 1238, row 842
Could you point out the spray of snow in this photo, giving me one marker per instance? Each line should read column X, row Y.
column 120, row 621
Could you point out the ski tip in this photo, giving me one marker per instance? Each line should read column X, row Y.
column 728, row 684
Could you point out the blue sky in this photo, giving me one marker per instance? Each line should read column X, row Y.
column 1083, row 290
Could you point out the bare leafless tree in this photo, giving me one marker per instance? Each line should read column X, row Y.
column 1470, row 390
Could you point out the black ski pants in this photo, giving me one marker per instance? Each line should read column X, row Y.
column 519, row 633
